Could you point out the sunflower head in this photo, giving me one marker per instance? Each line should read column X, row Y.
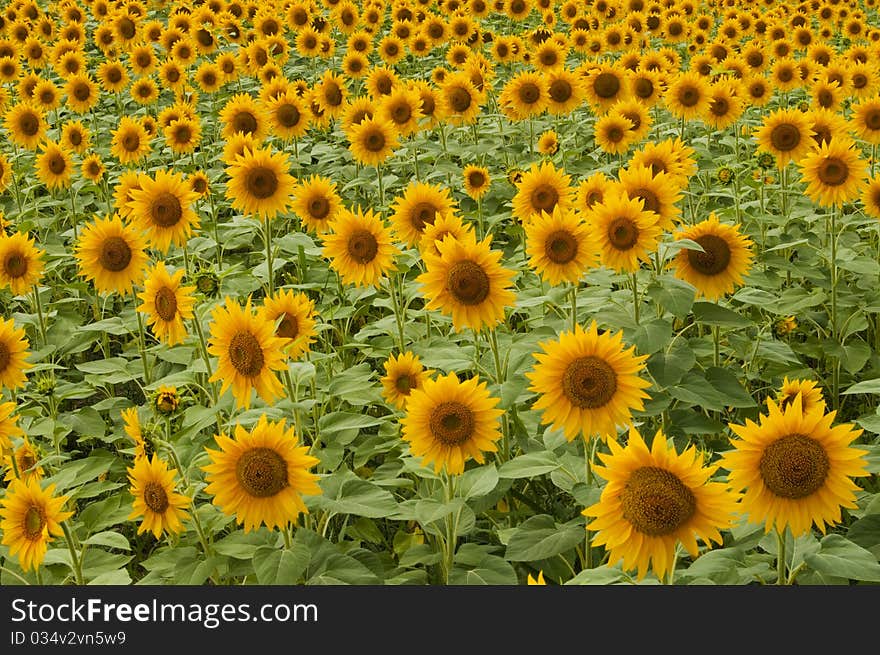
column 404, row 374
column 30, row 517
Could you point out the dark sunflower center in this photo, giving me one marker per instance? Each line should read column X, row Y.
column 452, row 423
column 716, row 257
column 656, row 502
column 833, row 171
column 384, row 84
column 244, row 122
column 589, row 382
column 155, row 497
column 401, row 113
column 114, row 75
column 15, row 265
column 404, row 384
column 333, row 95
column 166, row 304
column 74, row 137
column 719, row 107
column 859, row 81
column 126, row 28
column 560, row 91
column 34, row 522
column 614, row 134
column 422, row 214
column 606, row 85
column 115, row 254
column 165, row 210
column 82, row 92
column 649, row 199
column 872, row 119
column 56, row 164
column 688, row 96
column 825, row 98
column 173, row 75
column 561, row 247
column 633, row 118
column 131, row 142
column 643, row 88
column 362, row 246
column 460, row 99
column 529, row 93
column 246, row 354
column 319, row 207
column 288, row 326
column 476, row 179
column 468, row 283
column 261, row 182
column 261, row 472
column 623, row 233
column 5, row 356
column 375, row 141
column 544, row 198
column 30, row 124
column 183, row 134
column 288, row 115
column 785, row 137
column 794, row 467
column 26, row 461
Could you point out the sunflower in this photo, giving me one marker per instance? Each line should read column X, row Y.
column 637, row 114
column 449, row 225
column 294, row 317
column 8, row 427
column 542, row 188
column 558, row 246
column 26, row 125
column 604, row 84
column 871, row 197
column 242, row 113
column 623, row 232
column 166, row 400
column 687, row 96
column 46, row 95
column 331, row 93
column 31, row 517
column 236, row 145
column 613, row 133
column 167, row 303
column 785, row 133
column 13, row 355
column 248, row 353
column 449, row 422
column 808, row 390
column 654, row 500
column 261, row 475
column 183, row 135
column 152, row 485
column 404, row 374
column 460, row 100
column 795, row 467
column 288, row 116
column 476, row 181
column 548, row 143
column 725, row 106
column 659, row 192
column 316, row 203
column 54, row 166
column 113, row 76
column 591, row 192
column 826, row 125
column 565, row 92
column 588, row 383
column 419, row 206
column 112, row 254
column 21, row 264
column 834, row 173
column 22, row 463
column 143, row 448
column 466, row 281
column 726, row 257
column 359, row 247
column 5, row 172
column 130, row 142
column 402, row 108
column 259, row 182
column 161, row 206
column 75, row 136
column 373, row 140
column 524, row 95
column 865, row 120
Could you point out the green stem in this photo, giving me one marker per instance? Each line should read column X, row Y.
column 574, row 306
column 267, row 238
column 589, row 453
column 75, row 560
column 835, row 371
column 780, row 558
column 635, row 286
column 395, row 289
column 142, row 343
column 716, row 337
column 39, row 307
column 203, row 348
column 451, row 528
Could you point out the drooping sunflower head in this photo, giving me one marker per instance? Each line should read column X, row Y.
column 419, row 206
column 260, row 184
column 293, row 315
column 360, row 247
column 542, row 188
column 404, row 374
column 161, row 206
column 112, row 254
column 559, row 246
column 155, row 500
column 31, row 516
column 835, row 173
column 21, row 264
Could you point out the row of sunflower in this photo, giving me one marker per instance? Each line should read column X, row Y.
column 524, row 266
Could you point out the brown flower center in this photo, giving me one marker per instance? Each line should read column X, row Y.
column 589, row 382
column 452, row 423
column 333, row 95
column 155, row 497
column 288, row 326
column 319, row 207
column 716, row 257
column 643, row 87
column 261, row 472
column 244, row 121
column 56, row 164
column 401, row 113
column 872, row 119
column 165, row 210
column 166, row 304
column 719, row 107
column 26, row 461
column 15, row 265
column 785, row 137
column 656, row 502
column 261, row 182
column 544, row 198
column 126, row 28
column 404, row 384
column 29, row 124
column 561, row 247
column 468, row 283
column 606, row 85
column 288, row 115
column 130, row 142
column 34, row 522
column 688, row 96
column 614, row 134
column 529, row 93
column 833, row 171
column 460, row 99
column 246, row 354
column 794, row 466
column 5, row 356
column 422, row 214
column 362, row 246
column 115, row 254
column 476, row 179
column 374, row 141
column 560, row 91
column 650, row 201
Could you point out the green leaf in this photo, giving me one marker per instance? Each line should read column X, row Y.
column 540, row 537
column 343, row 427
column 281, row 567
column 478, row 482
column 601, row 575
column 120, row 577
column 667, row 368
column 529, row 465
column 711, row 314
column 840, row 557
column 672, row 294
column 725, row 382
column 491, row 570
column 345, row 493
column 110, row 540
column 651, row 336
column 867, row 386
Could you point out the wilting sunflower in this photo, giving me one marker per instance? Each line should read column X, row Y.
column 419, row 206
column 834, row 173
column 167, row 303
column 166, row 400
column 796, row 468
column 22, row 463
column 112, row 254
column 152, row 485
column 161, row 206
column 476, row 181
column 260, row 183
column 658, row 191
column 21, row 264
column 542, row 188
column 130, row 142
column 559, row 246
column 809, row 391
column 359, row 247
column 293, row 314
column 623, row 232
column 588, row 383
column 248, row 353
column 466, row 281
column 785, row 133
column 261, row 475
column 373, row 140
column 31, row 517
column 242, row 113
column 654, row 500
column 26, row 125
column 8, row 427
column 449, row 422
column 316, row 203
column 726, row 257
column 404, row 374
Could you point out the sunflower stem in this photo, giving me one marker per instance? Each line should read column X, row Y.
column 574, row 306
column 381, row 187
column 203, row 348
column 267, row 238
column 716, row 337
column 286, row 532
column 780, row 558
column 72, row 196
column 38, row 305
column 395, row 289
column 451, row 528
column 635, row 286
column 415, row 152
column 589, row 453
column 481, row 229
column 142, row 345
column 74, row 559
column 835, row 371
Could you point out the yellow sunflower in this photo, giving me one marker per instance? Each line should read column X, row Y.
column 449, row 225
column 21, row 264
column 22, row 463
column 152, row 485
column 359, row 247
column 565, row 92
column 26, row 125
column 161, row 206
column 248, row 352
column 559, row 246
column 591, row 192
column 658, row 191
column 726, row 257
column 623, row 232
column 183, row 135
column 809, row 391
column 373, row 140
column 834, row 173
column 654, row 500
column 242, row 113
column 402, row 108
column 316, row 203
column 112, row 254
column 785, row 133
column 75, row 137
column 687, row 96
column 588, row 383
column 466, row 281
column 8, row 427
column 524, row 95
column 13, row 355
column 288, row 115
column 260, row 183
column 167, row 303
column 796, row 468
column 132, row 427
column 613, row 133
column 871, row 197
column 460, row 100
column 404, row 374
column 261, row 475
column 166, row 400
column 449, row 422
column 31, row 517
column 293, row 314
column 130, row 142
column 54, row 166
column 542, row 188
column 419, row 206
column 476, row 181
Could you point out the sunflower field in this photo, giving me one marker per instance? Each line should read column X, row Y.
column 428, row 292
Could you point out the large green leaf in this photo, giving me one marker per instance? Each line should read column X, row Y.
column 540, row 537
column 838, row 556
